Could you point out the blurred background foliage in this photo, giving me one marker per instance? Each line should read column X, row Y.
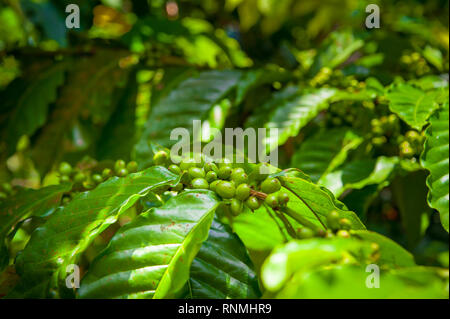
column 86, row 94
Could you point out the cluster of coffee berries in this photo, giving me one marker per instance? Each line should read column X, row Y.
column 342, row 113
column 87, row 179
column 415, row 63
column 337, row 226
column 229, row 181
column 384, row 129
column 411, row 144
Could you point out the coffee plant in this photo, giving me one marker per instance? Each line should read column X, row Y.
column 94, row 203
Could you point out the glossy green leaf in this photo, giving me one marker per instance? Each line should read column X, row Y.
column 338, row 47
column 23, row 204
column 412, row 105
column 360, row 173
column 435, row 158
column 70, row 230
column 354, row 282
column 390, row 253
column 298, row 111
column 151, row 256
column 316, row 202
column 260, row 230
column 191, row 100
column 31, row 105
column 324, row 151
column 304, row 255
column 222, row 268
column 255, row 78
column 410, row 195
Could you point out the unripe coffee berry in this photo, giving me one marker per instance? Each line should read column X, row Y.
column 271, row 200
column 97, row 178
column 120, row 164
column 200, row 183
column 304, row 233
column 211, row 176
column 345, row 224
column 243, row 192
column 238, row 176
column 186, row 164
column 175, row 169
column 224, row 162
column 236, row 206
column 333, row 220
column 225, row 172
column 211, row 167
column 283, row 198
column 196, row 172
column 178, row 188
column 270, row 185
column 64, row 179
column 253, row 203
column 132, row 167
column 160, row 158
column 226, row 190
column 122, row 172
column 106, row 173
column 343, row 234
column 79, row 177
column 65, row 168
column 213, row 185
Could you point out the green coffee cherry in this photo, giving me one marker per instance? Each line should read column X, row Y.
column 160, row 158
column 107, row 173
column 321, row 232
column 236, row 206
column 211, row 176
column 343, row 234
column 200, row 183
column 178, row 188
column 196, row 172
column 186, row 164
column 211, row 167
column 79, row 177
column 224, row 172
column 238, row 176
column 226, row 190
column 243, row 192
column 213, row 185
column 88, row 185
column 283, row 198
column 305, row 233
column 253, row 203
column 175, row 169
column 97, row 178
column 64, row 179
column 3, row 196
column 224, row 162
column 333, row 220
column 257, row 173
column 270, row 185
column 272, row 200
column 122, row 172
column 132, row 167
column 65, row 168
column 120, row 164
column 345, row 224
